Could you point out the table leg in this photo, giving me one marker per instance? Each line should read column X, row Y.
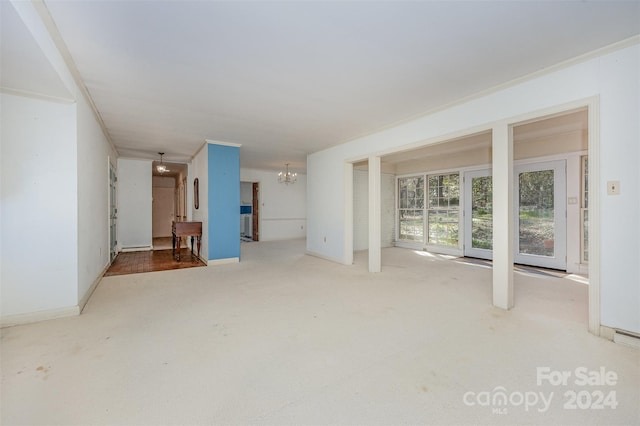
column 178, row 238
column 192, row 246
column 198, row 246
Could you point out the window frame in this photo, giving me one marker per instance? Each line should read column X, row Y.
column 584, row 209
column 460, row 212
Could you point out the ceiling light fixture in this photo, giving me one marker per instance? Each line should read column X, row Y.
column 287, row 177
column 161, row 168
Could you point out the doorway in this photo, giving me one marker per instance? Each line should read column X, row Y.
column 249, row 211
column 255, row 234
column 169, row 201
column 163, row 210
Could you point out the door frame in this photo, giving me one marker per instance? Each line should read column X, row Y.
column 255, row 211
column 112, row 210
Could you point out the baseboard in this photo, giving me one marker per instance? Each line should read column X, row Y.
column 28, row 318
column 89, row 292
column 141, row 248
column 329, row 258
column 216, row 262
column 627, row 339
column 622, row 337
column 607, row 332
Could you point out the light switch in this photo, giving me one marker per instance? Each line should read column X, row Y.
column 613, row 187
column 572, row 200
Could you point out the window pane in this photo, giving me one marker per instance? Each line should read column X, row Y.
column 443, row 227
column 536, row 213
column 482, row 213
column 585, row 235
column 411, row 225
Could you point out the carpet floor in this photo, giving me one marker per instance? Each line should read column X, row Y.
column 286, row 338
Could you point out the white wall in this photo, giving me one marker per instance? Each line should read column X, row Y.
column 134, row 204
column 620, row 151
column 94, row 154
column 39, row 204
column 199, row 169
column 361, row 209
column 283, row 212
column 612, row 77
column 246, row 193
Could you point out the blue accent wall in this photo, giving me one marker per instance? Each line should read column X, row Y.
column 224, row 199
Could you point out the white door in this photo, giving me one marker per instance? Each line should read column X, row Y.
column 541, row 214
column 478, row 217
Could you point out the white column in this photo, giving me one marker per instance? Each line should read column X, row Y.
column 374, row 215
column 503, row 221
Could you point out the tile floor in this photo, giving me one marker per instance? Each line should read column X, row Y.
column 150, row 261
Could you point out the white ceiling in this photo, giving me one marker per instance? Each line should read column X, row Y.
column 285, row 79
column 23, row 66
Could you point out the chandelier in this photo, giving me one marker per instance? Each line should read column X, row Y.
column 287, row 177
column 162, row 168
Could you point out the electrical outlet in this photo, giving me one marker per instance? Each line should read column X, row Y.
column 613, row 187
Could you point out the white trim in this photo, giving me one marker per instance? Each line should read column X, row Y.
column 593, row 105
column 34, row 95
column 626, row 340
column 606, row 332
column 223, row 143
column 269, row 219
column 30, row 317
column 87, row 295
column 136, row 248
column 198, row 151
column 375, row 246
column 348, row 214
column 216, row 262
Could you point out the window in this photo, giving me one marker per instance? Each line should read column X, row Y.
column 411, row 208
column 584, row 211
column 443, row 210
